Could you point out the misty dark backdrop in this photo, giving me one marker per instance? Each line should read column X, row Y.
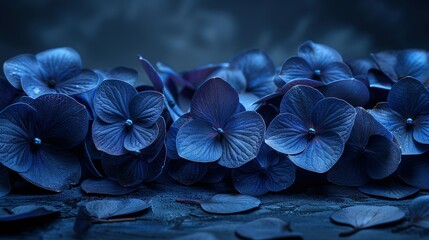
column 188, row 33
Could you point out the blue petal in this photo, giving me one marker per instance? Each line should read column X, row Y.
column 243, row 136
column 249, row 183
column 382, row 157
column 132, row 172
column 332, row 114
column 17, row 129
column 353, row 91
column 300, row 101
column 111, row 100
column 247, row 100
column 280, row 175
column 53, row 169
column 413, row 63
column 215, row 101
column 153, row 75
column 350, row 170
column 233, row 76
column 386, row 62
column 389, row 188
column 62, row 121
column 318, row 55
column 19, row 66
column 35, row 87
column 414, row 171
column 421, row 129
column 198, row 141
column 186, row 172
column 156, row 166
column 109, row 137
column 151, row 151
column 146, row 107
column 140, row 137
column 125, row 74
column 295, row 68
column 199, row 74
column 379, row 80
column 287, row 134
column 83, row 82
column 364, row 127
column 360, row 66
column 335, row 71
column 258, row 70
column 176, row 76
column 409, row 97
column 172, row 134
column 59, row 63
column 322, row 152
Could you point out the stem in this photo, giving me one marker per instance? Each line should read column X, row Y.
column 188, row 201
column 349, row 232
column 114, row 220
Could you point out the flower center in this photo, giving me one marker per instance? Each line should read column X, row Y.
column 129, row 123
column 37, row 141
column 220, row 131
column 317, row 72
column 312, row 131
column 410, row 122
column 52, row 83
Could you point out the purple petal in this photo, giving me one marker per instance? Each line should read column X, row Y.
column 146, row 107
column 111, row 100
column 109, row 137
column 300, row 101
column 153, row 75
column 17, row 129
column 322, row 152
column 19, row 66
column 353, row 91
column 215, row 101
column 198, row 141
column 242, row 138
column 59, row 63
column 296, row 68
column 287, row 134
column 318, row 55
column 332, row 114
column 62, row 120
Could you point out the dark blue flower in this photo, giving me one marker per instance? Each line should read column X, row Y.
column 184, row 171
column 370, row 153
column 52, row 71
column 311, row 129
column 322, row 67
column 216, row 132
column 37, row 140
column 126, row 120
column 251, row 74
column 413, row 170
column 392, row 66
column 270, row 171
column 143, row 165
column 406, row 115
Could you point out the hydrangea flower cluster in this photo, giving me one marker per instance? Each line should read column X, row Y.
column 247, row 122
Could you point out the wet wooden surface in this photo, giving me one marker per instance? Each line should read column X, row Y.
column 308, row 213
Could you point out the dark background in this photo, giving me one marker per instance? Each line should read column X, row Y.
column 185, row 34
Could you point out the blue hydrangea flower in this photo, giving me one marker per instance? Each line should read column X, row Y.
column 144, row 165
column 370, row 153
column 392, row 66
column 251, row 74
column 322, row 67
column 126, row 120
column 311, row 129
column 270, row 171
column 215, row 132
column 406, row 115
column 188, row 172
column 52, row 71
column 38, row 140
